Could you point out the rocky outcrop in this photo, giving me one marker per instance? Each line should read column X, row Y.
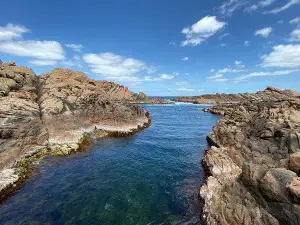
column 253, row 164
column 57, row 113
column 72, row 104
column 270, row 93
column 21, row 127
column 141, row 98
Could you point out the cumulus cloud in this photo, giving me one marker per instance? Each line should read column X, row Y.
column 295, row 20
column 201, row 30
column 289, row 4
column 261, row 4
column 282, row 56
column 295, row 36
column 247, row 43
column 185, row 58
column 265, row 32
column 113, row 65
column 75, row 47
column 42, row 52
column 263, row 74
column 11, row 31
column 121, row 68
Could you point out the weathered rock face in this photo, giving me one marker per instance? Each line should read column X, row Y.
column 21, row 127
column 71, row 104
column 54, row 113
column 254, row 162
column 268, row 94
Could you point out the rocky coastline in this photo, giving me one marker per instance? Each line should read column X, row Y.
column 57, row 113
column 270, row 93
column 253, row 163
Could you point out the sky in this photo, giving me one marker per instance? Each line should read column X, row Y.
column 159, row 47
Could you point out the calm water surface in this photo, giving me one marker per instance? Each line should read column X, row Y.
column 150, row 178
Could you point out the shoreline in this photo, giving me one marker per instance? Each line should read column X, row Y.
column 13, row 178
column 252, row 164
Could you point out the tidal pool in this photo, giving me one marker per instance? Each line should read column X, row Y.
column 152, row 177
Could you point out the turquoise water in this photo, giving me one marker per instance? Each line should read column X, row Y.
column 152, row 177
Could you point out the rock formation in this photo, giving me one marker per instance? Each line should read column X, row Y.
column 57, row 113
column 141, row 98
column 254, row 162
column 269, row 94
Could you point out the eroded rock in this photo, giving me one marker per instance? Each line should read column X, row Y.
column 258, row 137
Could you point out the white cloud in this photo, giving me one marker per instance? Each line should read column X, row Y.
column 212, row 70
column 202, row 30
column 265, row 32
column 295, row 20
column 41, row 50
column 261, row 4
column 221, row 80
column 112, row 65
column 216, row 76
column 283, row 56
column 75, row 61
column 295, row 36
column 247, row 43
column 223, row 45
column 229, row 6
column 224, row 35
column 186, row 90
column 75, row 47
column 185, row 58
column 289, row 4
column 163, row 76
column 261, row 74
column 120, row 68
column 181, row 83
column 219, row 75
column 229, row 70
column 39, row 62
column 11, row 31
column 166, row 76
column 239, row 64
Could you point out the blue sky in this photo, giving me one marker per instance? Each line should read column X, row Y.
column 160, row 47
